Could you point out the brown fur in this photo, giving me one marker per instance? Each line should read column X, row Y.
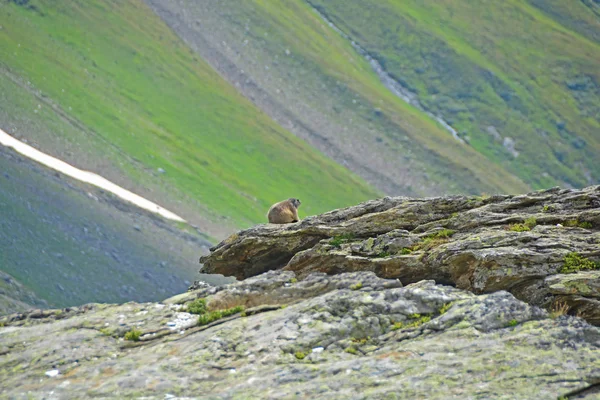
column 284, row 212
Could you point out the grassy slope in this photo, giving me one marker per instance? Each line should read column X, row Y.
column 285, row 47
column 582, row 16
column 14, row 297
column 147, row 102
column 502, row 64
column 295, row 24
column 71, row 244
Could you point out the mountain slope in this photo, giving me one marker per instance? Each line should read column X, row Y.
column 67, row 243
column 520, row 83
column 128, row 99
column 306, row 76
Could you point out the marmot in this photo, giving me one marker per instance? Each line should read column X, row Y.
column 284, row 212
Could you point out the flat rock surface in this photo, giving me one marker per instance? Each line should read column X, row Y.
column 482, row 244
column 350, row 335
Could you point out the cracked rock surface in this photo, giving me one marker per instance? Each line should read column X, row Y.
column 480, row 244
column 349, row 335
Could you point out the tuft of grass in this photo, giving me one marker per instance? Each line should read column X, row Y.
column 382, row 254
column 212, row 316
column 300, row 355
column 445, row 308
column 351, row 350
column 406, row 250
column 197, row 306
column 513, row 322
column 416, row 321
column 574, row 262
column 527, row 225
column 519, row 228
column 337, row 241
column 433, row 240
column 559, row 308
column 360, row 341
column 442, row 234
column 357, row 286
column 133, row 335
column 548, row 208
column 575, row 223
column 106, row 331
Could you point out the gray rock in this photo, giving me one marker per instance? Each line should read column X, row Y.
column 322, row 337
column 480, row 244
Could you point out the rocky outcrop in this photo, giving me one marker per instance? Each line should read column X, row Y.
column 532, row 245
column 350, row 335
column 393, row 297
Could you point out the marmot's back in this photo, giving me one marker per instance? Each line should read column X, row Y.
column 284, row 212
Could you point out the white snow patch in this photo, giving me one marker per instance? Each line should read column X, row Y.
column 52, row 373
column 85, row 176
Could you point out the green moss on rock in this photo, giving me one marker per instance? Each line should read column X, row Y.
column 575, row 262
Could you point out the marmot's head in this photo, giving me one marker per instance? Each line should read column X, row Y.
column 295, row 202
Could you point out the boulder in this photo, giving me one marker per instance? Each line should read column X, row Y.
column 349, row 335
column 519, row 244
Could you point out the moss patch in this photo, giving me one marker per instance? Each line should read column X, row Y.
column 432, row 240
column 574, row 223
column 575, row 262
column 337, row 241
column 414, row 321
column 212, row 316
column 133, row 335
column 197, row 306
column 445, row 308
column 527, row 225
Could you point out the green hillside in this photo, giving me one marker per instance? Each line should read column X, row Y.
column 127, row 98
column 65, row 243
column 283, row 55
column 520, row 80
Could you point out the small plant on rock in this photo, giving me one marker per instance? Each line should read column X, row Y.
column 513, row 322
column 106, row 331
column 444, row 233
column 337, row 241
column 445, row 308
column 575, row 223
column 197, row 306
column 519, row 228
column 207, row 318
column 548, row 208
column 360, row 341
column 300, row 355
column 433, row 240
column 575, row 262
column 559, row 308
column 357, row 286
column 417, row 320
column 133, row 335
column 527, row 225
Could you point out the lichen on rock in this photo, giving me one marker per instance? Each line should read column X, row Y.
column 315, row 337
column 467, row 242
